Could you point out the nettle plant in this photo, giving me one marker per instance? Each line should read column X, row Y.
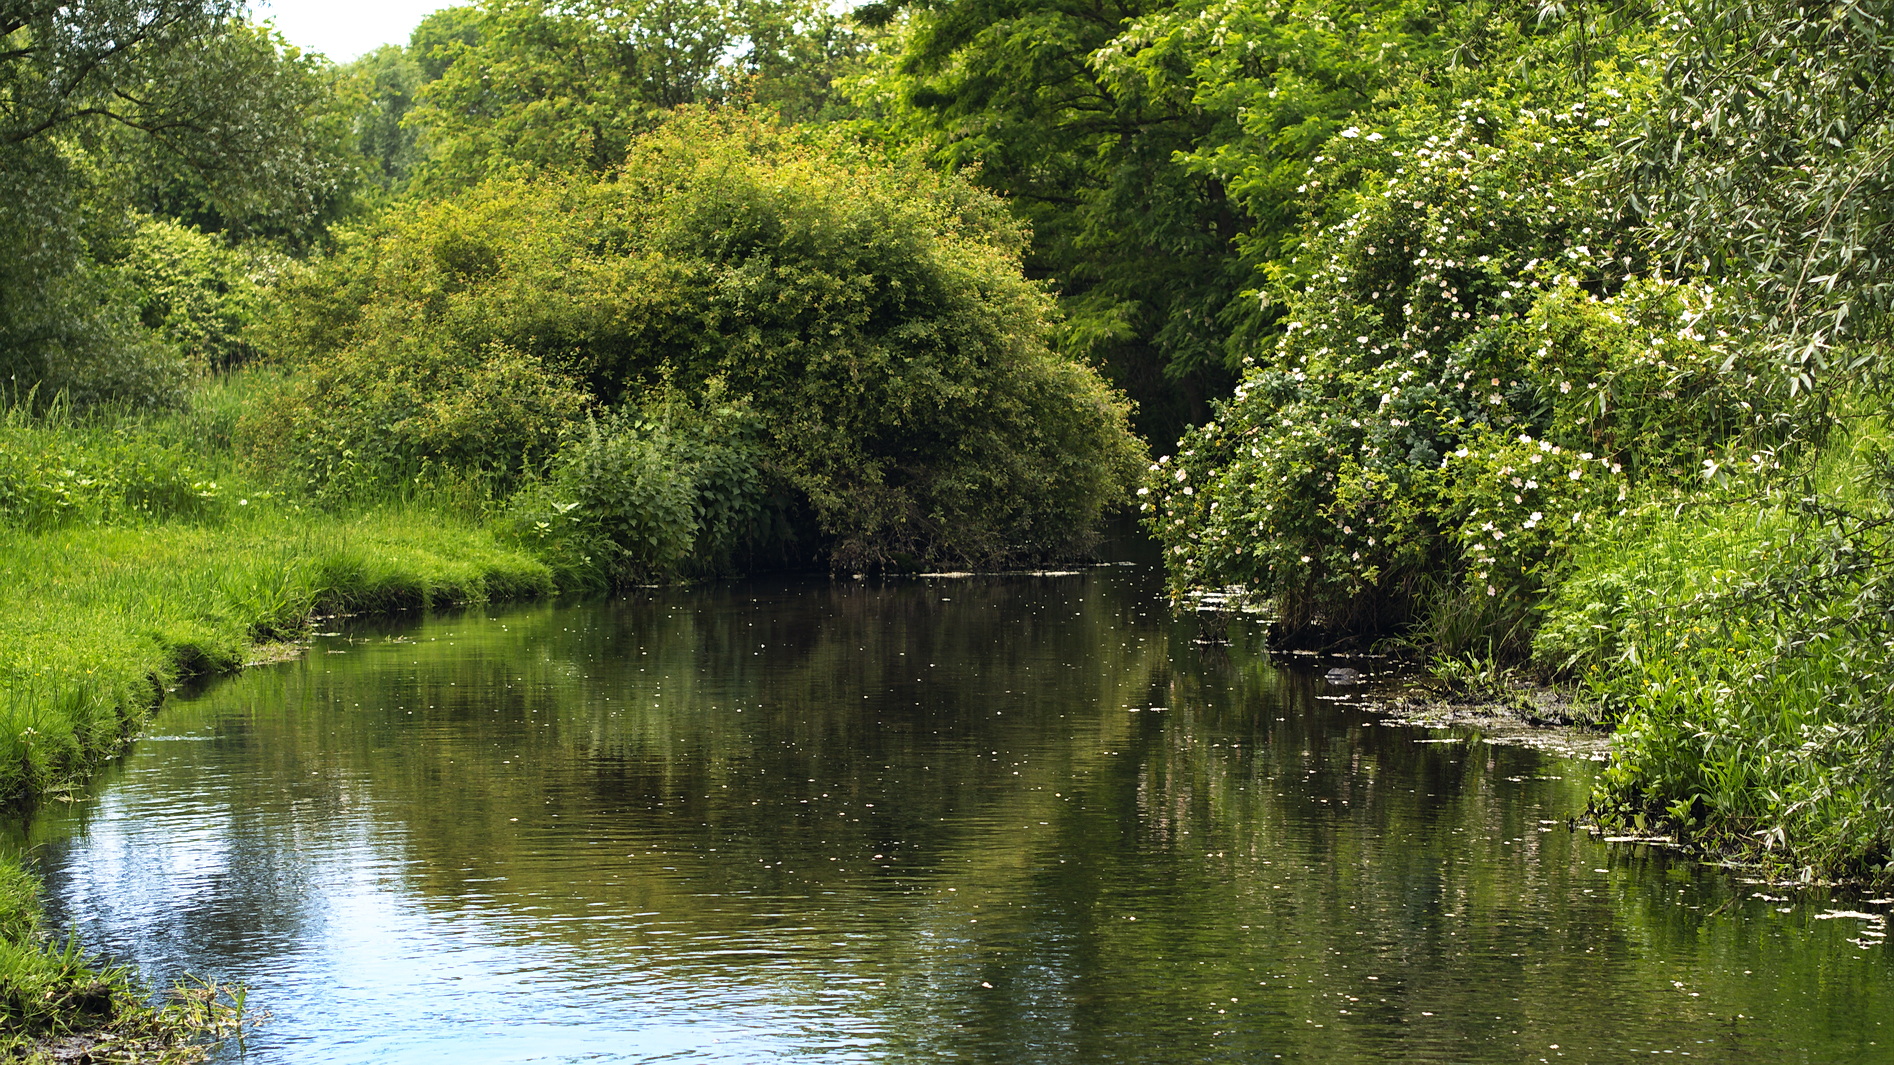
column 1467, row 378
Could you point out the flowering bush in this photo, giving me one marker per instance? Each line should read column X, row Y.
column 1467, row 377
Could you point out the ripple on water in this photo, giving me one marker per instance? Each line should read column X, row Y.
column 873, row 822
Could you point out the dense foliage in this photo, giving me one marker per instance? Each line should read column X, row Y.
column 1587, row 372
column 120, row 109
column 1138, row 247
column 525, row 85
column 859, row 332
column 1753, row 682
column 1466, row 381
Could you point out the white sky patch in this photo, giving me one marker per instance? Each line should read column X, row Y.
column 345, row 29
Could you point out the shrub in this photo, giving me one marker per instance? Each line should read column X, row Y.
column 871, row 317
column 411, row 409
column 68, row 326
column 637, row 494
column 193, row 291
column 1743, row 635
column 1466, row 381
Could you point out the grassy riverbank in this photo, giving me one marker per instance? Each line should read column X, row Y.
column 101, row 620
column 1742, row 638
column 57, row 1004
column 136, row 553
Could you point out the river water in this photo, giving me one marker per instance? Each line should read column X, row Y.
column 995, row 819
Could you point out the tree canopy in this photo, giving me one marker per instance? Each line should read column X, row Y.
column 175, row 108
column 515, row 86
column 870, row 321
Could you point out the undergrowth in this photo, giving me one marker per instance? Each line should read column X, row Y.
column 1743, row 637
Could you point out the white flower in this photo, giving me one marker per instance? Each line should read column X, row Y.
column 1575, row 474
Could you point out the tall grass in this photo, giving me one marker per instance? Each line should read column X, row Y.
column 1746, row 646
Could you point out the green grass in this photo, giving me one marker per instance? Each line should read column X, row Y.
column 136, row 552
column 100, row 620
column 1744, row 641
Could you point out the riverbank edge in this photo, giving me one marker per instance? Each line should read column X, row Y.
column 1550, row 718
column 59, row 1004
column 1505, row 706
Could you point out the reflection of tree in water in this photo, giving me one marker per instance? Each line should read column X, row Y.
column 234, row 882
column 855, row 792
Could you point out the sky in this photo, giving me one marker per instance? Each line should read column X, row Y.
column 344, row 29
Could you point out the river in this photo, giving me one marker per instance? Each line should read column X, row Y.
column 1007, row 819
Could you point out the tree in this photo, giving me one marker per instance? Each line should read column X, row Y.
column 274, row 158
column 1769, row 161
column 1138, row 248
column 386, row 84
column 871, row 318
column 224, row 117
column 129, row 61
column 533, row 85
column 103, row 106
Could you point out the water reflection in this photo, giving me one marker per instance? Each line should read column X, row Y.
column 1021, row 819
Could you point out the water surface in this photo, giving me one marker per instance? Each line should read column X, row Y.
column 995, row 819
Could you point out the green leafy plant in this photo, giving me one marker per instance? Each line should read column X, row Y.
column 870, row 318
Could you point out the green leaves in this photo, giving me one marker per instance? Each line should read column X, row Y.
column 1466, row 382
column 175, row 108
column 1769, row 161
column 1138, row 247
column 872, row 318
column 523, row 86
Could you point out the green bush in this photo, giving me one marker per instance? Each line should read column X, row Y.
column 68, row 326
column 1466, row 382
column 1743, row 636
column 410, row 409
column 195, row 292
column 871, row 317
column 640, row 494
